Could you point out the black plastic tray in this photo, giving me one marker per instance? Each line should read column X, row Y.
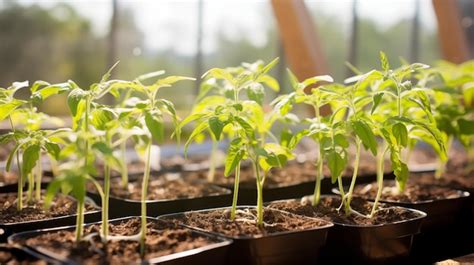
column 215, row 253
column 298, row 247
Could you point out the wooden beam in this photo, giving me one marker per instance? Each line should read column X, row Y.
column 300, row 40
column 452, row 37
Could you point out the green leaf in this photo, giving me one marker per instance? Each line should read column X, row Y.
column 341, row 140
column 256, row 93
column 269, row 66
column 400, row 132
column 50, row 90
column 169, row 80
column 246, row 126
column 384, row 61
column 315, row 79
column 270, row 82
column 218, row 73
column 8, row 108
column 107, row 75
column 376, row 99
column 285, row 137
column 293, row 79
column 466, row 126
column 366, row 135
column 74, row 98
column 216, row 127
column 234, row 156
column 336, row 164
column 297, row 138
column 53, row 149
column 30, row 157
column 155, row 126
column 100, row 118
column 197, row 131
column 400, row 169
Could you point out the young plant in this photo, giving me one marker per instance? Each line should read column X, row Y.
column 319, row 130
column 453, row 97
column 394, row 99
column 348, row 120
column 245, row 120
column 30, row 141
column 221, row 87
column 148, row 114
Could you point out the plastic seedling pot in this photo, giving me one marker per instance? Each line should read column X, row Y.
column 440, row 232
column 295, row 247
column 121, row 207
column 7, row 229
column 388, row 243
column 215, row 252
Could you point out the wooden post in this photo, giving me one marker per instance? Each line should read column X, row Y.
column 451, row 35
column 303, row 50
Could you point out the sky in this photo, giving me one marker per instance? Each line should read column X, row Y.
column 171, row 24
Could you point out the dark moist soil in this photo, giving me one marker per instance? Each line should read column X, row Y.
column 165, row 187
column 327, row 210
column 61, row 206
column 293, row 173
column 13, row 256
column 244, row 225
column 414, row 192
column 161, row 239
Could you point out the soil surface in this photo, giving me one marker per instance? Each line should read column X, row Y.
column 13, row 256
column 328, row 205
column 165, row 187
column 244, row 224
column 62, row 205
column 162, row 239
column 293, row 173
column 414, row 192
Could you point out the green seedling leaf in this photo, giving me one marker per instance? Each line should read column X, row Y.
column 107, row 75
column 234, row 156
column 155, row 127
column 53, row 149
column 74, row 98
column 101, row 117
column 384, row 61
column 376, row 99
column 218, row 73
column 216, row 127
column 400, row 132
column 293, row 79
column 256, row 93
column 30, row 157
column 366, row 135
column 269, row 66
column 336, row 164
column 8, row 108
column 270, row 82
